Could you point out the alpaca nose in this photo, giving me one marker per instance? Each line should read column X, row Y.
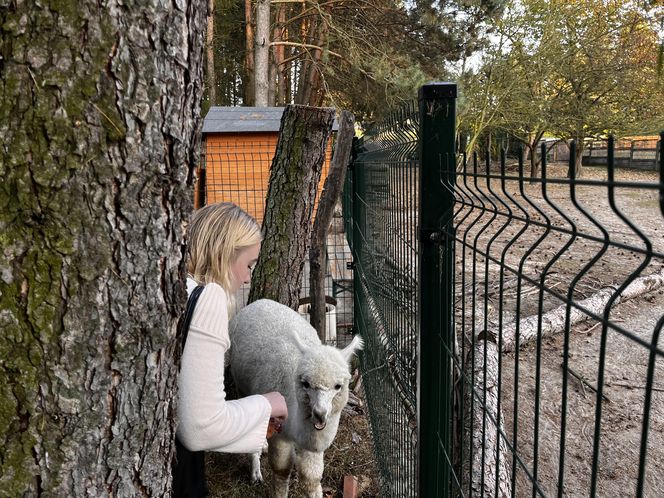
column 320, row 419
column 320, row 415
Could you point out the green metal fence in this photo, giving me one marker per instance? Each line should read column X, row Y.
column 512, row 324
column 392, row 225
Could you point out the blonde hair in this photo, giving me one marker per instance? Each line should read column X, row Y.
column 217, row 234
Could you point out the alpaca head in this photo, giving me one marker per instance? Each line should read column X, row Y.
column 322, row 382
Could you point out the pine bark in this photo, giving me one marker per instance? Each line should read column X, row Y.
column 211, row 76
column 281, row 90
column 331, row 190
column 99, row 122
column 249, row 37
column 294, row 177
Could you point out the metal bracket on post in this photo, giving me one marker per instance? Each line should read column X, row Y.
column 431, row 236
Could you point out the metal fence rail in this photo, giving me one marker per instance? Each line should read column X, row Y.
column 529, row 345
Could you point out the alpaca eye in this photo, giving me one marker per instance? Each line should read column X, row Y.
column 337, row 387
column 305, row 384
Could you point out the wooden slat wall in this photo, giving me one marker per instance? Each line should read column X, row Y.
column 237, row 169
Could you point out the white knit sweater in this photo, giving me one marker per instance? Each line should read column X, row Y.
column 207, row 421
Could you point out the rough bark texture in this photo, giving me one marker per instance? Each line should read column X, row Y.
column 294, row 177
column 553, row 322
column 486, row 466
column 331, row 191
column 99, row 117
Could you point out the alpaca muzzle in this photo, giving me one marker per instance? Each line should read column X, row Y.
column 319, row 419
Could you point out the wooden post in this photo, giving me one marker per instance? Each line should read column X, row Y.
column 350, row 487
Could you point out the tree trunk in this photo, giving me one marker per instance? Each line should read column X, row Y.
column 533, row 138
column 272, row 81
column 309, row 89
column 262, row 69
column 489, row 468
column 294, row 177
column 331, row 190
column 211, row 78
column 281, row 93
column 578, row 157
column 249, row 54
column 99, row 123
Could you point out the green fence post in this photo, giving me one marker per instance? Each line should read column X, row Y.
column 437, row 103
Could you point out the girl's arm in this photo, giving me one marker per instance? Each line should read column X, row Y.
column 206, row 420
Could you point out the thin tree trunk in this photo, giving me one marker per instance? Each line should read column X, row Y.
column 534, row 163
column 261, row 73
column 272, row 81
column 211, row 77
column 489, row 468
column 578, row 157
column 553, row 322
column 278, row 53
column 100, row 134
column 331, row 191
column 310, row 91
column 294, row 177
column 249, row 69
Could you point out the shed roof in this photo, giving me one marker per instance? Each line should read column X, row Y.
column 245, row 120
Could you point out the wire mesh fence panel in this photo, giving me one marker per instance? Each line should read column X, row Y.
column 383, row 202
column 549, row 383
column 558, row 298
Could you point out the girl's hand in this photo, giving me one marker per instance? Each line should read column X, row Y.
column 278, row 403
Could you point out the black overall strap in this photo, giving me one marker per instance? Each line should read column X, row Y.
column 189, row 312
column 189, row 467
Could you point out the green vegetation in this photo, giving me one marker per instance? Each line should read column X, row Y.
column 568, row 69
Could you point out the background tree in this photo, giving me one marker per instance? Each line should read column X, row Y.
column 361, row 55
column 304, row 134
column 570, row 69
column 99, row 123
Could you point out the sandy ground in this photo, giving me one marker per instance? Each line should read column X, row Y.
column 627, row 351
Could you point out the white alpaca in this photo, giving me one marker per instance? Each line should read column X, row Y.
column 275, row 349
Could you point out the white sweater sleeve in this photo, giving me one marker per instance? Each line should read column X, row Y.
column 206, row 420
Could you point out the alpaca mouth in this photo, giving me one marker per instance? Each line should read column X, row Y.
column 319, row 426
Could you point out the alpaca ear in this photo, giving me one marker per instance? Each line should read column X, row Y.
column 356, row 344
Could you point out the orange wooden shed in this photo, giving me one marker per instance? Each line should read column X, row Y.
column 238, row 146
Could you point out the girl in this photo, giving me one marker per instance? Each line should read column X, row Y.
column 223, row 246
